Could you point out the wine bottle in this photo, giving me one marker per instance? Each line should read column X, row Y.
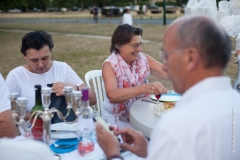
column 85, row 125
column 37, row 130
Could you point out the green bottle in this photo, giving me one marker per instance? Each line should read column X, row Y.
column 37, row 130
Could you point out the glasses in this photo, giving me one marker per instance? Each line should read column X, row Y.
column 166, row 54
column 136, row 45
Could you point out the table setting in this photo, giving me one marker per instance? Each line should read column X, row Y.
column 152, row 108
column 64, row 143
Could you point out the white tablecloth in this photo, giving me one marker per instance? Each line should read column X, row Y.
column 97, row 154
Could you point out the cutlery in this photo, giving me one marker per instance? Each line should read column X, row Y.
column 63, row 145
column 63, row 131
column 148, row 100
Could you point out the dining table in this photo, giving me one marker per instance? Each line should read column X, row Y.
column 142, row 115
column 97, row 154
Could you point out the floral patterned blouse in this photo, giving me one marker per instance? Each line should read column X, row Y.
column 128, row 76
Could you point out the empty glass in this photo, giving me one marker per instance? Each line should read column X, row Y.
column 26, row 132
column 113, row 121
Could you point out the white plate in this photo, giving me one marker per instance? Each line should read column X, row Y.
column 168, row 97
column 63, row 126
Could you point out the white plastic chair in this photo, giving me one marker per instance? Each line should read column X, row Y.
column 94, row 77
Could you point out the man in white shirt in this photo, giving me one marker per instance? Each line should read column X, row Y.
column 204, row 125
column 7, row 125
column 127, row 17
column 39, row 69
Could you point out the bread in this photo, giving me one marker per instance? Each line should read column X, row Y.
column 168, row 105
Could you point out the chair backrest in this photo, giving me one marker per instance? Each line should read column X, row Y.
column 94, row 78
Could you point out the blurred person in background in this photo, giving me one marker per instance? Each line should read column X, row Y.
column 144, row 7
column 95, row 13
column 204, row 123
column 7, row 125
column 40, row 69
column 127, row 17
column 125, row 73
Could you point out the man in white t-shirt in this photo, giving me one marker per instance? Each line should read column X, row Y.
column 7, row 125
column 204, row 125
column 127, row 17
column 40, row 69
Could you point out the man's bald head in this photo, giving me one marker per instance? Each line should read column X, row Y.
column 208, row 37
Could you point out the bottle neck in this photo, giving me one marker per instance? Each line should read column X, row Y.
column 38, row 98
column 85, row 104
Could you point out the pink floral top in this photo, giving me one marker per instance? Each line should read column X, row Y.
column 128, row 76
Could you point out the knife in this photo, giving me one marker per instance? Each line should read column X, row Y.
column 148, row 100
column 63, row 131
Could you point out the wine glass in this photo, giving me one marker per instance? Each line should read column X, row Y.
column 113, row 121
column 26, row 132
column 158, row 96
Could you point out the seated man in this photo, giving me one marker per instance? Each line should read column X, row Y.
column 40, row 69
column 205, row 122
column 7, row 125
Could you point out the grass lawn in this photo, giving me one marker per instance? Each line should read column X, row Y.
column 81, row 53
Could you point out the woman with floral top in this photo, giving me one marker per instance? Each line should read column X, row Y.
column 125, row 73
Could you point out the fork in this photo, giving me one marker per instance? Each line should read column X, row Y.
column 63, row 145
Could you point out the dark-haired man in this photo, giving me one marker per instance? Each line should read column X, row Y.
column 40, row 69
column 205, row 122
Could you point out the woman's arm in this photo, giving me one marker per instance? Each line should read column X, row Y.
column 118, row 95
column 157, row 68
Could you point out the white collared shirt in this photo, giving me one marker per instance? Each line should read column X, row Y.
column 200, row 126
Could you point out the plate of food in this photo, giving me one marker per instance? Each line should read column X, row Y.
column 163, row 107
column 63, row 130
column 170, row 97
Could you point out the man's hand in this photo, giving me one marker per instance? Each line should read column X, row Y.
column 107, row 141
column 58, row 88
column 133, row 141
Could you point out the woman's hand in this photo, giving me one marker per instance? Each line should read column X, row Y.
column 156, row 88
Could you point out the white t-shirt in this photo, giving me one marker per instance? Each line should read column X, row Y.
column 22, row 81
column 4, row 100
column 127, row 18
column 201, row 126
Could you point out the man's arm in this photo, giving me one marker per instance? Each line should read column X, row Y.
column 7, row 125
column 133, row 141
column 92, row 94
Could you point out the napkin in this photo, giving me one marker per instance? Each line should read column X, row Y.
column 71, row 141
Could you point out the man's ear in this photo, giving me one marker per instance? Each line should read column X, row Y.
column 192, row 58
column 24, row 56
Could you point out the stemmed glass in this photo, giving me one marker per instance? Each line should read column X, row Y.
column 158, row 96
column 113, row 121
column 95, row 113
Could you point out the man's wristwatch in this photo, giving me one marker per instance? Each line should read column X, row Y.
column 115, row 157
